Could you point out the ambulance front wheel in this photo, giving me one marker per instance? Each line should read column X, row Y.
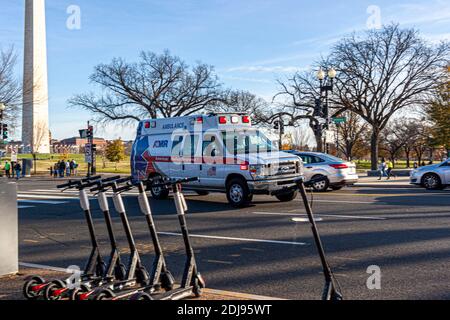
column 158, row 193
column 238, row 194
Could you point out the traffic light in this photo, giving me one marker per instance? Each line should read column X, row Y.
column 325, row 112
column 90, row 132
column 317, row 108
column 5, row 131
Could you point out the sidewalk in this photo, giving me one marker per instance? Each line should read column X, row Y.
column 11, row 287
column 373, row 182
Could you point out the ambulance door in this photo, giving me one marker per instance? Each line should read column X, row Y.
column 176, row 158
column 192, row 160
column 212, row 173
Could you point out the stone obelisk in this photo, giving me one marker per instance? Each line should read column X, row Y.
column 35, row 128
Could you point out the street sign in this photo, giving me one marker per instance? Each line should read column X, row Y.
column 329, row 136
column 88, row 153
column 340, row 120
column 83, row 134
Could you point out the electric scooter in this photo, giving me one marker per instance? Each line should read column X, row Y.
column 36, row 286
column 192, row 282
column 331, row 289
column 137, row 274
column 115, row 270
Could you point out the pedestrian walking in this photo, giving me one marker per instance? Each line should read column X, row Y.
column 382, row 168
column 72, row 167
column 8, row 170
column 18, row 170
column 62, row 168
column 55, row 170
column 68, row 169
column 416, row 165
column 390, row 167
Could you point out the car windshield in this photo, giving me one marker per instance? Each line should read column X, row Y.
column 247, row 141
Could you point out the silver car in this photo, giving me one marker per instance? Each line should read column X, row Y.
column 339, row 172
column 432, row 177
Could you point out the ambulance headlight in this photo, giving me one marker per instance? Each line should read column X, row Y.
column 257, row 170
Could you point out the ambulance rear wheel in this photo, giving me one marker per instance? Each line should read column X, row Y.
column 158, row 193
column 238, row 194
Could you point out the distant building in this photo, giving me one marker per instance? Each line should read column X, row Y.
column 76, row 145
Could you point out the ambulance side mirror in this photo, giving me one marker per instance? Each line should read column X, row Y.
column 213, row 153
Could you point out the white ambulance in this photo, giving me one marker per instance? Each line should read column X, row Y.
column 224, row 151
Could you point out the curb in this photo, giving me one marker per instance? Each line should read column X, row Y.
column 385, row 186
column 239, row 295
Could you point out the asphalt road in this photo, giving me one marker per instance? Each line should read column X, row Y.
column 260, row 249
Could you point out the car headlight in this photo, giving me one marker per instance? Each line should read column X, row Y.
column 257, row 170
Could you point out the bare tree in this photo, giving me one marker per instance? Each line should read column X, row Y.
column 383, row 72
column 10, row 87
column 244, row 102
column 297, row 101
column 301, row 139
column 156, row 86
column 352, row 135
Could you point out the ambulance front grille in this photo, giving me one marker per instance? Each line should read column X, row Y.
column 285, row 168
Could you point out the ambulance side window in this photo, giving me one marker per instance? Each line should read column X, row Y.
column 176, row 145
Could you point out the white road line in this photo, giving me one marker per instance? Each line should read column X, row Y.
column 343, row 201
column 319, row 215
column 236, row 239
column 44, row 267
column 42, row 202
column 37, row 196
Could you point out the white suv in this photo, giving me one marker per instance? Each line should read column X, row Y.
column 432, row 177
column 339, row 173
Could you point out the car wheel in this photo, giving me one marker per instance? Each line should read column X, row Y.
column 287, row 197
column 336, row 188
column 238, row 194
column 202, row 193
column 322, row 185
column 158, row 193
column 431, row 181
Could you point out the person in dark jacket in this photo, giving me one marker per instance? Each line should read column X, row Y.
column 18, row 170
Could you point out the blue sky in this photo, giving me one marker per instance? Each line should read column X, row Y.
column 251, row 43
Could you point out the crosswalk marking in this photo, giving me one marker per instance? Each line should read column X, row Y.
column 42, row 202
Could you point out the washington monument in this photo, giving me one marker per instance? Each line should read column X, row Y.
column 35, row 128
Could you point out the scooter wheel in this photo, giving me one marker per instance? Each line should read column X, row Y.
column 28, row 286
column 141, row 296
column 105, row 294
column 167, row 281
column 75, row 295
column 50, row 292
column 199, row 284
column 142, row 276
column 120, row 272
column 101, row 269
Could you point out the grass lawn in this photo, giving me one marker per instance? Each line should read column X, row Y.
column 45, row 161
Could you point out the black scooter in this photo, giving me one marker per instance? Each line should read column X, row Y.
column 137, row 275
column 192, row 282
column 331, row 289
column 36, row 287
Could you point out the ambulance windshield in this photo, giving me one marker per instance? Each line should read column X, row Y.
column 247, row 141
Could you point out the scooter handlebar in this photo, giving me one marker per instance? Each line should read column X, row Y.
column 175, row 182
